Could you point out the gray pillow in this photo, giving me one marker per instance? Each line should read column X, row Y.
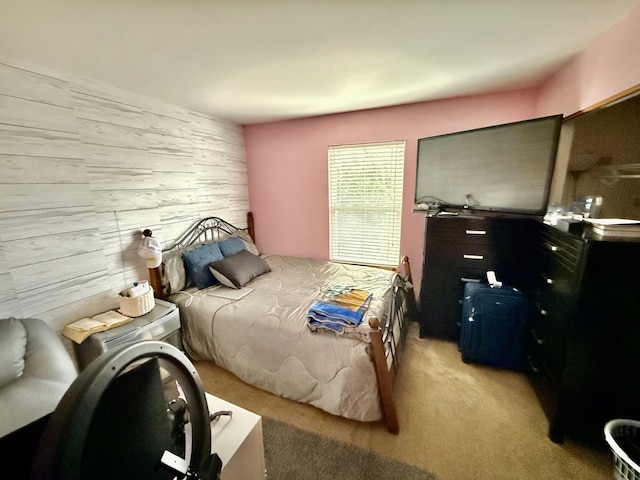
column 239, row 269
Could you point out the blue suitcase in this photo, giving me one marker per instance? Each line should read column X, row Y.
column 493, row 325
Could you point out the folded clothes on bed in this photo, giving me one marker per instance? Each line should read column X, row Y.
column 344, row 309
column 349, row 297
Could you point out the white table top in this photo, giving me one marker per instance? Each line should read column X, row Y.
column 228, row 433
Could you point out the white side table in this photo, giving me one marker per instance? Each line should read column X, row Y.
column 238, row 441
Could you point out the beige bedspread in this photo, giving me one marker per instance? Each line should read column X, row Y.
column 263, row 337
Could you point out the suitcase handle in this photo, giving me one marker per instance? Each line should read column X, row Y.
column 469, row 280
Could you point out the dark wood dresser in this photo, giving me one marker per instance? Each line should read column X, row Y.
column 461, row 249
column 584, row 336
column 583, row 344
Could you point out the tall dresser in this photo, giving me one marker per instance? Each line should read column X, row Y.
column 584, row 335
column 583, row 342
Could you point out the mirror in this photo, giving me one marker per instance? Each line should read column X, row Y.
column 601, row 152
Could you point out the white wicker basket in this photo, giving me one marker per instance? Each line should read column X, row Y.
column 623, row 437
column 137, row 306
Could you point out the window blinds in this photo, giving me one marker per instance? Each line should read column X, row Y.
column 365, row 202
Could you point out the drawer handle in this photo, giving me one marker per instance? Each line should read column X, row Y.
column 472, row 257
column 547, row 279
column 534, row 369
column 469, row 280
column 538, row 340
column 542, row 310
column 552, row 247
column 475, row 232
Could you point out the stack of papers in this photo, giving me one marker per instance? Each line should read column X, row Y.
column 615, row 227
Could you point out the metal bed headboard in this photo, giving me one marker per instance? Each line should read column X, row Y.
column 208, row 229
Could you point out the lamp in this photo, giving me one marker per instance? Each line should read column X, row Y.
column 150, row 249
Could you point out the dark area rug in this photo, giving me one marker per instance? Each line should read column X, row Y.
column 295, row 454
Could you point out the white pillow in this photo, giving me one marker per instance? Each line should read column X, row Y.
column 174, row 276
column 248, row 243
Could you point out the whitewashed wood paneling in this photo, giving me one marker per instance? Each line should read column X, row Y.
column 163, row 125
column 16, row 140
column 208, row 159
column 89, row 107
column 37, row 302
column 174, row 180
column 86, row 307
column 168, row 145
column 7, row 290
column 38, row 196
column 110, row 200
column 172, row 163
column 35, row 276
column 109, row 178
column 109, row 134
column 43, row 248
column 100, row 89
column 177, row 197
column 35, row 114
column 21, row 83
column 84, row 168
column 26, row 224
column 25, row 169
column 115, row 156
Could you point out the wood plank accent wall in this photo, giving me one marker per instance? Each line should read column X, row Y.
column 84, row 168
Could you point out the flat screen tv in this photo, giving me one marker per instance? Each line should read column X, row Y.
column 502, row 168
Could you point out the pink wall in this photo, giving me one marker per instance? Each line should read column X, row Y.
column 287, row 161
column 608, row 66
column 287, row 165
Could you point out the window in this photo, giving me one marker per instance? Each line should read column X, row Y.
column 365, row 202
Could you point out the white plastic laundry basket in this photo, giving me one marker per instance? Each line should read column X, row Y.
column 623, row 437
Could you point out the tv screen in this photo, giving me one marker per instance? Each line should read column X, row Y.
column 506, row 168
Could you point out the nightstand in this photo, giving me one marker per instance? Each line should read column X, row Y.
column 161, row 323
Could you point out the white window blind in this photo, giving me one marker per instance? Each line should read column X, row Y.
column 365, row 202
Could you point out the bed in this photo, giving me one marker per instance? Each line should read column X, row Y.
column 257, row 327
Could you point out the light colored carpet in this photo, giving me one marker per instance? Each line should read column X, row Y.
column 458, row 421
column 295, row 454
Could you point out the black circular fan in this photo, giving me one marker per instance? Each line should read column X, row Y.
column 136, row 412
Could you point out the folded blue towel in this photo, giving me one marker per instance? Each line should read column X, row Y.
column 334, row 317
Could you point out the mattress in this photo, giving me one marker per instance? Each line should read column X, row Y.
column 262, row 337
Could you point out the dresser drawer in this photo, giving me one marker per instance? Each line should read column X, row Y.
column 553, row 286
column 474, row 231
column 482, row 257
column 550, row 337
column 560, row 248
column 441, row 299
column 546, row 389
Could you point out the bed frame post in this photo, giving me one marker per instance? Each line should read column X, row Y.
column 155, row 280
column 404, row 270
column 250, row 227
column 385, row 382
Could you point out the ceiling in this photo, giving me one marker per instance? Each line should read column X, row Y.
column 252, row 61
